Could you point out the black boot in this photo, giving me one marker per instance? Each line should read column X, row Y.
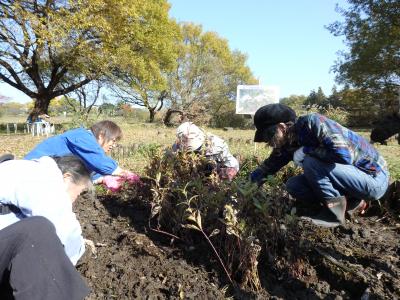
column 332, row 215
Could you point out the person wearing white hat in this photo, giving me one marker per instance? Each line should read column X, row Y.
column 193, row 139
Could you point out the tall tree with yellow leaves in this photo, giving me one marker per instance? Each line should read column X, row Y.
column 50, row 48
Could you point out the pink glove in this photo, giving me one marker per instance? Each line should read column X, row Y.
column 132, row 178
column 113, row 183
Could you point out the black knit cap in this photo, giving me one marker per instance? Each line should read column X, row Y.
column 268, row 116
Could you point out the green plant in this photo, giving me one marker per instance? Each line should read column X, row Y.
column 149, row 150
column 236, row 219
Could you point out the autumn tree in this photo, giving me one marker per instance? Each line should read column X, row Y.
column 335, row 99
column 296, row 101
column 317, row 98
column 51, row 48
column 82, row 100
column 150, row 94
column 206, row 74
column 371, row 29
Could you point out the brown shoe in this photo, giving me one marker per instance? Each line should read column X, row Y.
column 356, row 207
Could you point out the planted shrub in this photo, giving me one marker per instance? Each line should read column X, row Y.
column 237, row 220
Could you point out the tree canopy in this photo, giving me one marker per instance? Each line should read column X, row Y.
column 207, row 72
column 372, row 32
column 202, row 82
column 51, row 48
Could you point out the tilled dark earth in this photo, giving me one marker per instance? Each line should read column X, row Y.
column 131, row 264
column 360, row 260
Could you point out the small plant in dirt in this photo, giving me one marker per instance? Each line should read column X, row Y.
column 237, row 220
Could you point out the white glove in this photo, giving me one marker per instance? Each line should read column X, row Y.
column 298, row 157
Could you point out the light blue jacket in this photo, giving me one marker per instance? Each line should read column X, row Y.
column 37, row 188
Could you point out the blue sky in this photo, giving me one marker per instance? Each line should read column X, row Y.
column 285, row 40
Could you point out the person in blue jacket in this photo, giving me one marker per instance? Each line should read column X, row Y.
column 91, row 145
column 340, row 167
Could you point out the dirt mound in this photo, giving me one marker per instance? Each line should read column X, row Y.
column 128, row 265
column 358, row 260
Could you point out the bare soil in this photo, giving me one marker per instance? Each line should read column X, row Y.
column 132, row 263
column 360, row 260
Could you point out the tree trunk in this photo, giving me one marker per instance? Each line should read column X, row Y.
column 184, row 116
column 41, row 106
column 168, row 115
column 152, row 115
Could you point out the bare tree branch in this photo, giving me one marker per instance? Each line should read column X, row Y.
column 70, row 88
column 18, row 84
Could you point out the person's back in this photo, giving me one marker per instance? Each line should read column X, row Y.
column 342, row 144
column 37, row 188
column 218, row 148
column 40, row 236
column 80, row 142
column 58, row 145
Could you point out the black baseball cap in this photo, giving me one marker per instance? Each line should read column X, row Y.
column 267, row 117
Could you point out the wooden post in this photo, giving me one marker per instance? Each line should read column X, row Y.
column 15, row 128
column 8, row 128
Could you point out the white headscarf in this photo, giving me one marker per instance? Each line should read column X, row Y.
column 190, row 136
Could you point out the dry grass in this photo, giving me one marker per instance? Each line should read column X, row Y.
column 143, row 137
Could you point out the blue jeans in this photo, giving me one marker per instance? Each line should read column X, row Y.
column 329, row 180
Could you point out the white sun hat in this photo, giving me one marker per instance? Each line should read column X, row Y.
column 190, row 136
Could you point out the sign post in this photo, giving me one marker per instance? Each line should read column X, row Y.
column 250, row 98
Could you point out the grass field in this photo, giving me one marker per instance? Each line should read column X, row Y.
column 140, row 139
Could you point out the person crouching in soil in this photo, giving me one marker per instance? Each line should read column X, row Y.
column 340, row 167
column 40, row 236
column 191, row 138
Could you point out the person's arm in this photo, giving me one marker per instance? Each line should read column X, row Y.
column 89, row 150
column 322, row 138
column 276, row 161
column 228, row 160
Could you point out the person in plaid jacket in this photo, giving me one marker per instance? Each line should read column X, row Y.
column 341, row 168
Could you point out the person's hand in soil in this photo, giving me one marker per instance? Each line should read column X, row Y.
column 116, row 183
column 91, row 246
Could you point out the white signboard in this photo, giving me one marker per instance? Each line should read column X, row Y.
column 251, row 97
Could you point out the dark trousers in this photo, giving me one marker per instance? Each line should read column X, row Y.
column 33, row 264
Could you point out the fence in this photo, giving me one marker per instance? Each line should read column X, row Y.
column 37, row 128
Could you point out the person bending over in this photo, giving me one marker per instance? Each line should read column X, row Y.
column 191, row 138
column 47, row 188
column 91, row 145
